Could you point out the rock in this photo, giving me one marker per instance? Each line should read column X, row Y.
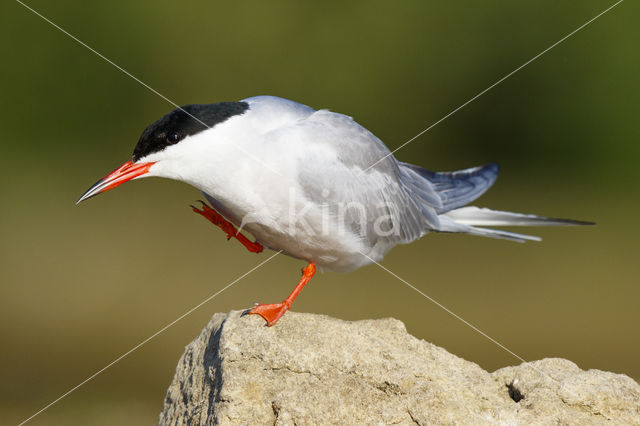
column 312, row 369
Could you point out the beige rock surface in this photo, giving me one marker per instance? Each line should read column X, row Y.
column 313, row 369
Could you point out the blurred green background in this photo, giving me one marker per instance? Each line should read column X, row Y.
column 82, row 285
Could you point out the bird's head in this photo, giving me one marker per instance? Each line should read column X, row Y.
column 164, row 145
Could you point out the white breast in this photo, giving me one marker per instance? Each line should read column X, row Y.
column 249, row 167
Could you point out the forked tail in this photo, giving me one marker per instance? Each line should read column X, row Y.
column 453, row 190
column 466, row 220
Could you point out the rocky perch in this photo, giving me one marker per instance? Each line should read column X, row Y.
column 313, row 369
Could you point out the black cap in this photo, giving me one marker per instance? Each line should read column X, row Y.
column 182, row 122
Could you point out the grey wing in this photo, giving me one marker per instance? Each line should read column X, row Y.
column 384, row 203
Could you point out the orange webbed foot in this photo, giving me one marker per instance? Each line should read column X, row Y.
column 271, row 312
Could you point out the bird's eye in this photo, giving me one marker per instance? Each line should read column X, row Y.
column 173, row 137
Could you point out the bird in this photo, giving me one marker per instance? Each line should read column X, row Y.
column 313, row 184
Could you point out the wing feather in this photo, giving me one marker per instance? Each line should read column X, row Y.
column 375, row 203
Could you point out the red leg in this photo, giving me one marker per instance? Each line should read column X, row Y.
column 272, row 312
column 231, row 231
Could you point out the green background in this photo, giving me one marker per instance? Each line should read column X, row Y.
column 82, row 285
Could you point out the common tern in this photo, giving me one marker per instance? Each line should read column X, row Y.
column 313, row 184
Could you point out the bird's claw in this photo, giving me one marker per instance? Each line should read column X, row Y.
column 271, row 313
column 227, row 227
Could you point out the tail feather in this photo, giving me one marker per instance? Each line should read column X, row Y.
column 447, row 192
column 447, row 224
column 466, row 219
column 504, row 235
column 485, row 217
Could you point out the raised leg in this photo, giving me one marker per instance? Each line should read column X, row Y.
column 231, row 231
column 272, row 312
